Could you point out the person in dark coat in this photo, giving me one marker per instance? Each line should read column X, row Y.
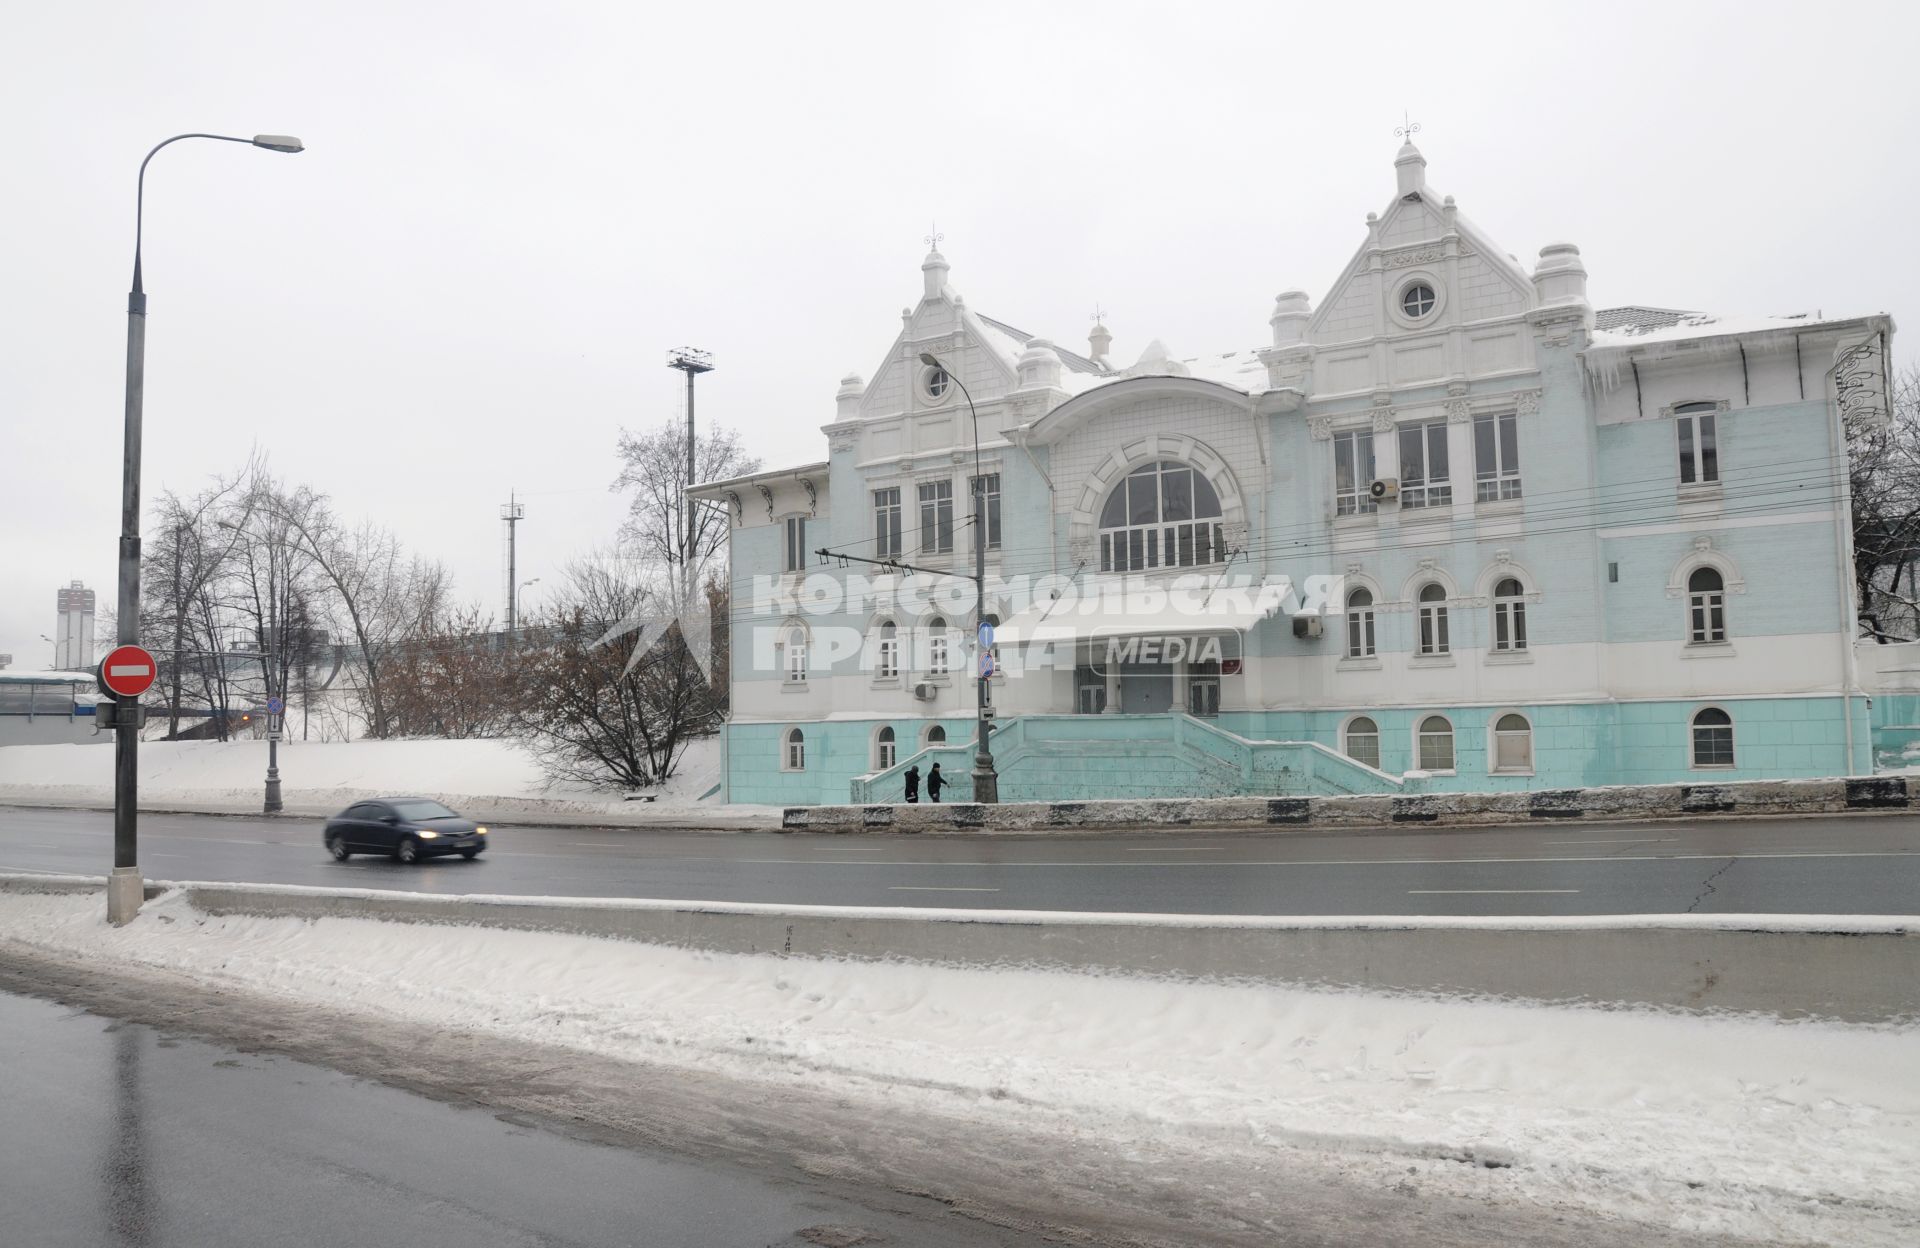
column 913, row 783
column 935, row 782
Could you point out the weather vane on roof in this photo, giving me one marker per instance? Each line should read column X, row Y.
column 1099, row 314
column 1408, row 127
column 934, row 237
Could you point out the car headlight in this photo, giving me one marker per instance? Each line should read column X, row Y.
column 425, row 835
column 480, row 831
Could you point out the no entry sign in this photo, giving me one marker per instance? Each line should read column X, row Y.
column 128, row 672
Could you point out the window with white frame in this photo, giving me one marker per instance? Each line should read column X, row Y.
column 1161, row 515
column 1699, row 443
column 936, row 735
column 1509, row 616
column 988, row 484
column 936, row 517
column 1360, row 624
column 886, row 523
column 1512, row 744
column 1433, row 620
column 1496, row 457
column 884, row 749
column 887, row 654
column 1435, row 744
column 1712, row 738
column 796, row 543
column 795, row 657
column 793, row 752
column 1423, row 465
column 939, row 647
column 1706, row 607
column 1363, row 741
column 1353, row 473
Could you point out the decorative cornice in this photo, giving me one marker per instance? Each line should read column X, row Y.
column 1459, row 412
column 1320, row 428
column 1383, row 418
column 766, row 494
column 1527, row 402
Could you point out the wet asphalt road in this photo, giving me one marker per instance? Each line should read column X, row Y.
column 1823, row 865
column 118, row 1135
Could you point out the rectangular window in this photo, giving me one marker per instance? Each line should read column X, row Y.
column 1423, row 465
column 936, row 517
column 1699, row 447
column 1203, row 696
column 1496, row 457
column 989, row 486
column 889, row 658
column 937, row 660
column 1353, row 472
column 796, row 662
column 886, row 523
column 796, row 543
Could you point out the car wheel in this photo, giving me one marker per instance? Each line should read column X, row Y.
column 338, row 848
column 470, row 853
column 409, row 850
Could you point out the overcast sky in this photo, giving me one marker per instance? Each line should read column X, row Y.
column 508, row 213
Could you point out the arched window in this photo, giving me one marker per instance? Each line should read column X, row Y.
column 884, row 750
column 1360, row 624
column 1512, row 744
column 936, row 735
column 1509, row 616
column 794, row 656
column 1161, row 515
column 1706, row 607
column 793, row 755
column 939, row 659
column 1435, row 742
column 1712, row 738
column 1363, row 741
column 887, row 659
column 1433, row 620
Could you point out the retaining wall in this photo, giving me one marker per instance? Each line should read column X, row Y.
column 1857, row 969
column 1654, row 801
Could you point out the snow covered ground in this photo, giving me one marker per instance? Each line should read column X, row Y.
column 1731, row 1125
column 496, row 779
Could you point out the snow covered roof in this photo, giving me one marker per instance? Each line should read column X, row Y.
column 1011, row 342
column 46, row 678
column 710, row 488
column 1241, row 370
column 1637, row 317
column 1687, row 326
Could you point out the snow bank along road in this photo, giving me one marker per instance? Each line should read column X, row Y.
column 1124, row 1109
column 1811, row 865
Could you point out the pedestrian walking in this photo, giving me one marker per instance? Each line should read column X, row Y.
column 935, row 782
column 913, row 783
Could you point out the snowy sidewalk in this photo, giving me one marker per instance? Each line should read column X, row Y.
column 495, row 780
column 1796, row 1132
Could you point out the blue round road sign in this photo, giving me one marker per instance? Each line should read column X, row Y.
column 276, row 705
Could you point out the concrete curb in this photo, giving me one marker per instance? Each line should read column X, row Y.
column 1612, row 804
column 1853, row 969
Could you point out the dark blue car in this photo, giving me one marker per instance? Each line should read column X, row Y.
column 407, row 828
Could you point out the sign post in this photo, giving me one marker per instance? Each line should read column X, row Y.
column 276, row 707
column 127, row 672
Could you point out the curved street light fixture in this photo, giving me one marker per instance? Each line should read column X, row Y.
column 124, row 891
column 986, row 781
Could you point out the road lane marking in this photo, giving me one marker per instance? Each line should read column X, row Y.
column 1301, row 862
column 1180, row 849
column 1647, row 840
column 933, row 888
column 853, row 849
column 1484, row 892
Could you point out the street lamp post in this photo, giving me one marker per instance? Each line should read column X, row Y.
column 124, row 889
column 986, row 781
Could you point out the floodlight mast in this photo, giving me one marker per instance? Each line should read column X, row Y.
column 692, row 361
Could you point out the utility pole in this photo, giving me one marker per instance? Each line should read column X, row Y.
column 692, row 362
column 512, row 512
column 179, row 632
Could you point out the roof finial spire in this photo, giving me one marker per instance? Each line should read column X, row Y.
column 935, row 237
column 1407, row 127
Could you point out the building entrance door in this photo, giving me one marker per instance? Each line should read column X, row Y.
column 1146, row 688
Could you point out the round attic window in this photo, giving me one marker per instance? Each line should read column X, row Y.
column 1417, row 301
column 937, row 382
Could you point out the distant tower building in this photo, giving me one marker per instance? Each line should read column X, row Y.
column 73, row 649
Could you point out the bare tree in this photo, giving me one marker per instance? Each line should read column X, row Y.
column 653, row 468
column 1884, row 467
column 453, row 678
column 610, row 693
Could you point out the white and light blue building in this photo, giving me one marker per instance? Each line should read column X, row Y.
column 1526, row 544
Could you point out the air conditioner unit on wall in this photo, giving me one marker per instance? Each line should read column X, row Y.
column 1384, row 488
column 1307, row 626
column 925, row 692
